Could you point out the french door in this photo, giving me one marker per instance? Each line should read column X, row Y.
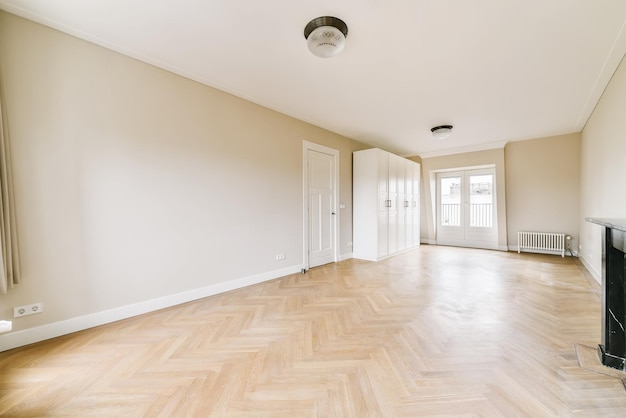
column 466, row 208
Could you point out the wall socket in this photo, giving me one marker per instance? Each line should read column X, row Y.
column 280, row 256
column 32, row 309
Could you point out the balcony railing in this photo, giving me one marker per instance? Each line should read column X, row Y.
column 450, row 214
column 481, row 215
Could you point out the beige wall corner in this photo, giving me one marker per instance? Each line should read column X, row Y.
column 543, row 179
column 603, row 152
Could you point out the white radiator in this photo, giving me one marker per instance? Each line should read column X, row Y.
column 541, row 242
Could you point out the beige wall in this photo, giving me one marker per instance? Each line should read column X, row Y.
column 133, row 184
column 430, row 166
column 603, row 168
column 542, row 186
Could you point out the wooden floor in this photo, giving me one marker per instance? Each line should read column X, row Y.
column 439, row 331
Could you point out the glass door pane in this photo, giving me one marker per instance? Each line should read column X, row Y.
column 450, row 209
column 481, row 201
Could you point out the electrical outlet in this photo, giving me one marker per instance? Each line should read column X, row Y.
column 20, row 311
column 280, row 256
column 35, row 308
column 24, row 310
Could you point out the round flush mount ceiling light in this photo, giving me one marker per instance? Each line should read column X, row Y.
column 326, row 36
column 441, row 131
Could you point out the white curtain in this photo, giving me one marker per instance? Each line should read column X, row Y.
column 9, row 270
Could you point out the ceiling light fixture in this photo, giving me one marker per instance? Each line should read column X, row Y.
column 441, row 131
column 326, row 36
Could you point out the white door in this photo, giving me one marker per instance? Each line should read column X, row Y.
column 466, row 208
column 402, row 205
column 384, row 204
column 392, row 213
column 321, row 192
column 412, row 205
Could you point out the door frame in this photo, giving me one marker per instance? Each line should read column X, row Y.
column 306, row 147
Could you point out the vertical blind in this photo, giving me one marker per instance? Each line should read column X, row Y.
column 9, row 270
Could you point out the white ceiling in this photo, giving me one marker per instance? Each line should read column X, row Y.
column 498, row 70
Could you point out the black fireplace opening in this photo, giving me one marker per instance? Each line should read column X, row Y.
column 613, row 350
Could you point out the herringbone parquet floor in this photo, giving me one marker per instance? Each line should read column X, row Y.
column 438, row 331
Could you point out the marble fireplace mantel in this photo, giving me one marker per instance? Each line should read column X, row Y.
column 612, row 351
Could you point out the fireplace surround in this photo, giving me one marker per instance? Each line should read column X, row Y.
column 612, row 351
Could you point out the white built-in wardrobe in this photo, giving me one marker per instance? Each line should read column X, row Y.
column 386, row 204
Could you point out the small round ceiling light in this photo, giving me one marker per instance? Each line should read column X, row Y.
column 326, row 36
column 441, row 131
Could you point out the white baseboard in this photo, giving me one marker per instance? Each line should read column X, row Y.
column 24, row 337
column 428, row 241
column 345, row 256
column 595, row 273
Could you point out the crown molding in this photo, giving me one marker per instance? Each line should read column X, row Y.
column 463, row 150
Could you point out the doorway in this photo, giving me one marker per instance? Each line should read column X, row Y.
column 320, row 204
column 466, row 208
